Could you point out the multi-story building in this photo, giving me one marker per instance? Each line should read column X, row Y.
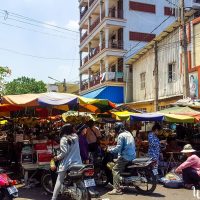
column 111, row 31
column 165, row 52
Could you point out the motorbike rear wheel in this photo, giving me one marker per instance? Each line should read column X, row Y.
column 5, row 196
column 149, row 179
column 47, row 183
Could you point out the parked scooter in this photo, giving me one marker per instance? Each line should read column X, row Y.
column 79, row 178
column 7, row 189
column 140, row 174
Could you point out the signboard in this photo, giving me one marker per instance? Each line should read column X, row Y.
column 193, row 78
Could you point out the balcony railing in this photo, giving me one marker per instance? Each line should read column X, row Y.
column 85, row 59
column 94, row 52
column 97, row 78
column 95, row 23
column 91, row 2
column 82, row 13
column 84, row 36
column 116, row 44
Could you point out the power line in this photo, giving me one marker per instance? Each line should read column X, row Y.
column 32, row 30
column 145, row 38
column 35, row 56
column 7, row 13
column 170, row 2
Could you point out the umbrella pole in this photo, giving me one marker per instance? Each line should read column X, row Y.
column 78, row 109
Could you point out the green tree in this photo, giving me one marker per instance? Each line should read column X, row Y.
column 4, row 72
column 24, row 85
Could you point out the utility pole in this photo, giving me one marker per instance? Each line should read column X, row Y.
column 186, row 91
column 156, row 78
column 64, row 85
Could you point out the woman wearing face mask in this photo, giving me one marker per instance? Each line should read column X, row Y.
column 69, row 155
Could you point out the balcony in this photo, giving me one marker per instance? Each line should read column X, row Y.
column 113, row 13
column 98, row 79
column 91, row 2
column 84, row 36
column 115, row 45
column 95, row 23
column 82, row 13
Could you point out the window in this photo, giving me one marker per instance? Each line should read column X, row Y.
column 143, row 37
column 142, row 80
column 171, row 73
column 142, row 7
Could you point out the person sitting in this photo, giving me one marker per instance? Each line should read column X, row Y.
column 125, row 149
column 190, row 168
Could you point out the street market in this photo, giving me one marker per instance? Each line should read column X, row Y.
column 29, row 138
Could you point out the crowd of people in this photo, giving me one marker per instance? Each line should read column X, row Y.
column 78, row 143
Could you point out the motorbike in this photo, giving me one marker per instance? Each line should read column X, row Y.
column 8, row 191
column 140, row 174
column 78, row 180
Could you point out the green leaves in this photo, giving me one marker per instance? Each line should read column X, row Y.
column 25, row 85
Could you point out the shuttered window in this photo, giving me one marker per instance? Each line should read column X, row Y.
column 196, row 44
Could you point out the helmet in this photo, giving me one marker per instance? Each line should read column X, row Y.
column 119, row 127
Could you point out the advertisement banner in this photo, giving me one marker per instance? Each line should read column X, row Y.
column 193, row 78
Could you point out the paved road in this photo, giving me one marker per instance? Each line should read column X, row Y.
column 160, row 193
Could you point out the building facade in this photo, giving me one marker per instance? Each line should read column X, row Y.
column 110, row 33
column 166, row 53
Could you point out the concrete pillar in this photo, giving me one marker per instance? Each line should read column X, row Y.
column 80, row 53
column 116, row 71
column 100, row 69
column 89, row 75
column 101, row 9
column 107, row 37
column 89, row 23
column 106, row 68
column 101, row 40
column 89, row 50
column 106, row 8
column 80, row 76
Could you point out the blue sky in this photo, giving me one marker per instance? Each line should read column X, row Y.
column 49, row 43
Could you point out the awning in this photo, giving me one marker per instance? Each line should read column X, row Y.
column 179, row 118
column 112, row 93
column 147, row 117
column 124, row 115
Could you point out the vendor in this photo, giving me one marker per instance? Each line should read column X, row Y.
column 190, row 168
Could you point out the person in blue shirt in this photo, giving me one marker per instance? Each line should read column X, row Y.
column 154, row 143
column 125, row 149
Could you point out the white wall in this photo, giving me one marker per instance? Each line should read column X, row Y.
column 168, row 52
column 144, row 22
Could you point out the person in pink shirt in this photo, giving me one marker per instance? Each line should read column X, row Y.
column 190, row 169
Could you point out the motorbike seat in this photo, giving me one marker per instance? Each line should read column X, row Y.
column 140, row 160
column 78, row 167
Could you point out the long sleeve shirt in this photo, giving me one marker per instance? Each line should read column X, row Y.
column 193, row 162
column 125, row 146
column 69, row 154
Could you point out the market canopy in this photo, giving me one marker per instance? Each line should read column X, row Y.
column 147, row 117
column 63, row 101
column 8, row 108
column 174, row 118
column 123, row 115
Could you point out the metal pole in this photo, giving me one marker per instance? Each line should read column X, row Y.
column 64, row 85
column 156, row 78
column 186, row 91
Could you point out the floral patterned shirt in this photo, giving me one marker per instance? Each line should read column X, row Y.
column 154, row 146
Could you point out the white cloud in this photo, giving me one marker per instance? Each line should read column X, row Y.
column 73, row 25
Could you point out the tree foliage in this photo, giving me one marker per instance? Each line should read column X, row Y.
column 4, row 72
column 24, row 85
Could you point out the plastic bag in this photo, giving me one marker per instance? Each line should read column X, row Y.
column 52, row 165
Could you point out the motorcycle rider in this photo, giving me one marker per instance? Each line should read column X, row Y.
column 125, row 149
column 70, row 154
